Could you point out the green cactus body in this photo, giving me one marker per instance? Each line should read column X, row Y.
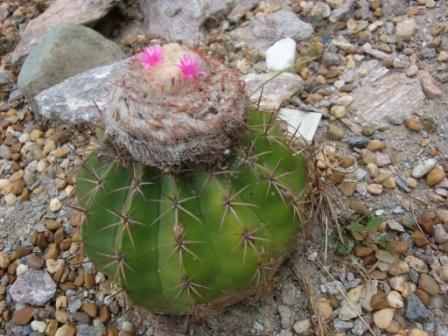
column 197, row 239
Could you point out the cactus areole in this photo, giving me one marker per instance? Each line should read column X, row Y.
column 198, row 240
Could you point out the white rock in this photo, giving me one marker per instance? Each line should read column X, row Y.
column 416, row 264
column 21, row 268
column 395, row 300
column 422, row 168
column 406, row 28
column 281, row 55
column 38, row 326
column 54, row 266
column 55, row 205
column 302, row 124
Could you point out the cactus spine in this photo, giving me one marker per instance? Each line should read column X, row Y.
column 200, row 240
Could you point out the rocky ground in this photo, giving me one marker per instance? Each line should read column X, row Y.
column 370, row 75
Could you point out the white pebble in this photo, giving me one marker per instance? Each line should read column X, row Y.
column 55, row 204
column 38, row 326
column 21, row 268
column 281, row 55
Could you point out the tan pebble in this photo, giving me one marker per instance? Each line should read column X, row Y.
column 324, row 308
column 111, row 331
column 368, row 130
column 42, row 166
column 104, row 314
column 90, row 309
column 66, row 330
column 389, row 183
column 419, row 238
column 416, row 264
column 49, row 146
column 61, row 302
column 413, row 124
column 61, row 152
column 443, row 273
column 372, row 169
column 346, row 162
column 52, row 224
column 89, row 280
column 375, row 189
column 21, row 268
column 4, row 260
column 368, row 157
column 443, row 56
column 375, row 145
column 435, row 176
column 393, row 328
column 52, row 252
column 10, row 199
column 429, row 85
column 442, row 214
column 425, row 142
column 423, row 296
column 399, row 267
column 23, row 316
column 61, row 316
column 348, row 188
column 383, row 318
column 69, row 190
column 411, row 182
column 378, row 301
column 54, row 266
column 400, row 246
column 395, row 300
column 428, row 284
column 52, row 326
column 418, row 332
column 55, row 205
column 338, row 111
column 438, row 28
column 362, row 251
column 35, row 134
column 334, row 132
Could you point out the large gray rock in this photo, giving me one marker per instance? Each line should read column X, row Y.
column 34, row 287
column 263, row 31
column 379, row 98
column 181, row 20
column 67, row 50
column 81, row 98
column 395, row 7
column 60, row 11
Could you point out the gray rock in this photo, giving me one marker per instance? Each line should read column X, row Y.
column 395, row 7
column 342, row 325
column 422, row 168
column 80, row 98
column 342, row 10
column 86, row 330
column 320, row 10
column 34, row 287
column 440, row 234
column 263, row 31
column 286, row 316
column 275, row 93
column 290, row 294
column 358, row 141
column 242, row 7
column 359, row 328
column 441, row 330
column 60, row 11
column 181, row 20
column 415, row 309
column 397, row 117
column 67, row 50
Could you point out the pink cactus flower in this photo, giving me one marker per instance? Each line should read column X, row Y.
column 151, row 56
column 189, row 67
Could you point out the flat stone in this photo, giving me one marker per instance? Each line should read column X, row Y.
column 429, row 85
column 81, row 98
column 181, row 20
column 60, row 11
column 303, row 125
column 275, row 92
column 263, row 31
column 382, row 318
column 34, row 287
column 65, row 51
column 380, row 97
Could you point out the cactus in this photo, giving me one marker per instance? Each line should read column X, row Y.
column 198, row 240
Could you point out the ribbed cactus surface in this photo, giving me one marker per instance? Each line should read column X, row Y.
column 199, row 239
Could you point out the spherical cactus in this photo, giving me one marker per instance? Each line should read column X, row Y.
column 174, row 107
column 197, row 240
